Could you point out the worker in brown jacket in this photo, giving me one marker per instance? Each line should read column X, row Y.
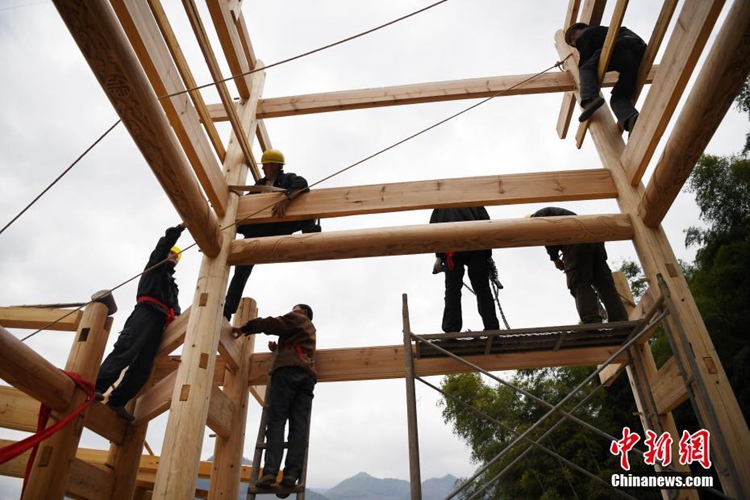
column 290, row 395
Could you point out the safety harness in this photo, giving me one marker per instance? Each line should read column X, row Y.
column 167, row 310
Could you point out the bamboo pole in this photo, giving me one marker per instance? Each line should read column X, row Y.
column 98, row 34
column 415, row 480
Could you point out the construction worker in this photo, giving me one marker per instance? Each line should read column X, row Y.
column 290, row 395
column 585, row 267
column 626, row 59
column 274, row 175
column 156, row 307
column 479, row 264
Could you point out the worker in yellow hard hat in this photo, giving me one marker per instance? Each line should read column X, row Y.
column 136, row 347
column 273, row 162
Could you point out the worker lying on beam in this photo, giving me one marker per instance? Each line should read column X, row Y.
column 136, row 347
column 626, row 59
column 274, row 175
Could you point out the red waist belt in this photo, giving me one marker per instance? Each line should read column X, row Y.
column 167, row 310
column 298, row 348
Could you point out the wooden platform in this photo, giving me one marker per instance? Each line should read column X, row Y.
column 525, row 339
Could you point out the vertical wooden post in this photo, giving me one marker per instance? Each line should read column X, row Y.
column 415, row 478
column 51, row 469
column 178, row 468
column 656, row 257
column 227, row 465
column 641, row 372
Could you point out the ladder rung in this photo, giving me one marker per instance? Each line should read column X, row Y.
column 276, row 488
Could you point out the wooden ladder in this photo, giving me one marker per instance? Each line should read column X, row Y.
column 260, row 445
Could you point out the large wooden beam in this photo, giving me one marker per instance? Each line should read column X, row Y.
column 654, row 44
column 226, row 24
column 152, row 51
column 89, row 481
column 453, row 90
column 97, row 32
column 541, row 187
column 669, row 387
column 427, row 238
column 18, row 411
column 386, row 362
column 48, row 385
column 689, row 36
column 40, row 317
column 220, row 413
column 719, row 81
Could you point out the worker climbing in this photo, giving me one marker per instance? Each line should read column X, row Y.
column 136, row 347
column 273, row 169
column 479, row 265
column 626, row 59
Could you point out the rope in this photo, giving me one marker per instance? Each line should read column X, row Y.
column 60, row 176
column 310, row 52
column 293, row 195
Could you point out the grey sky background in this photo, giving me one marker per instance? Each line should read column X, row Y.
column 96, row 228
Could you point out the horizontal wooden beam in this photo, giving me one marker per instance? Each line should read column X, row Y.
column 220, row 412
column 89, row 481
column 18, row 411
column 719, row 81
column 668, row 387
column 36, row 318
column 689, row 36
column 48, row 383
column 428, row 238
column 386, row 362
column 103, row 421
column 476, row 88
column 510, row 189
column 98, row 34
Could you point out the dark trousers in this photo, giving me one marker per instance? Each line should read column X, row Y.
column 136, row 349
column 236, row 287
column 478, row 268
column 290, row 398
column 626, row 59
column 588, row 274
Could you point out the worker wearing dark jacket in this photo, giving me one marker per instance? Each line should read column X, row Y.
column 157, row 305
column 290, row 395
column 586, row 270
column 478, row 264
column 273, row 168
column 626, row 59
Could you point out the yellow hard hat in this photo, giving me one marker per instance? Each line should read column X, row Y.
column 177, row 251
column 272, row 156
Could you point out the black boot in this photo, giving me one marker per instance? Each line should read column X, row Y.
column 590, row 108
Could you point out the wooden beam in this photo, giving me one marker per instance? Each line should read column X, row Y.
column 693, row 27
column 152, row 51
column 205, row 44
column 229, row 37
column 668, row 387
column 48, row 385
column 654, row 44
column 605, row 56
column 187, row 77
column 572, row 185
column 174, row 335
column 36, row 318
column 89, row 481
column 97, row 32
column 106, row 423
column 220, row 413
column 387, row 362
column 572, row 13
column 566, row 114
column 18, row 411
column 229, row 348
column 719, row 81
column 426, row 238
column 155, row 400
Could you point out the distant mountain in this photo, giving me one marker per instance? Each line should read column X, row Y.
column 438, row 488
column 363, row 486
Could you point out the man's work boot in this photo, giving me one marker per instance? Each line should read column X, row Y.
column 122, row 412
column 266, row 480
column 590, row 107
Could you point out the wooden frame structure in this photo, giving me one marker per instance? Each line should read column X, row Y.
column 136, row 56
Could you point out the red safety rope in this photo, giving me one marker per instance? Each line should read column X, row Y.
column 12, row 451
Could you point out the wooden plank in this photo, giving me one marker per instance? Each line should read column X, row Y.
column 386, row 362
column 427, row 238
column 566, row 114
column 229, row 348
column 174, row 335
column 49, row 385
column 18, row 411
column 654, row 44
column 152, row 51
column 220, row 413
column 88, row 481
column 572, row 13
column 490, row 190
column 229, row 38
column 106, row 423
column 668, row 387
column 719, row 81
column 605, row 57
column 690, row 34
column 102, row 42
column 155, row 400
column 205, row 45
column 36, row 318
column 187, row 77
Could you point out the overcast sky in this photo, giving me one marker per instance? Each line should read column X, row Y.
column 96, row 228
